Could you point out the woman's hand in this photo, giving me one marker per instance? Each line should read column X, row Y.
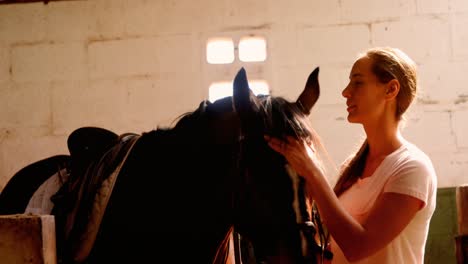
column 299, row 154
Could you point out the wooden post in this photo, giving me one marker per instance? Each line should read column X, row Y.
column 461, row 243
column 461, row 240
column 26, row 238
column 462, row 209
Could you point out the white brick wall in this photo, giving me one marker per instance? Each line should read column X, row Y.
column 107, row 19
column 435, row 126
column 458, row 6
column 435, row 81
column 70, row 21
column 5, row 65
column 118, row 58
column 23, row 146
column 22, row 23
column 460, row 36
column 332, row 44
column 432, row 6
column 306, row 12
column 255, row 11
column 98, row 103
column 46, row 62
column 460, row 129
column 25, row 105
column 134, row 65
column 184, row 61
column 424, row 38
column 365, row 11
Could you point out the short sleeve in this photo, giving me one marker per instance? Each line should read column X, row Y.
column 414, row 178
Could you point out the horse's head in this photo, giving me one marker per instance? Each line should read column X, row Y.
column 253, row 189
column 267, row 213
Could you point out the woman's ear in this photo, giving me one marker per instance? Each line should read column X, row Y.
column 393, row 88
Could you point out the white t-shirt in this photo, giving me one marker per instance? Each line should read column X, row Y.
column 408, row 171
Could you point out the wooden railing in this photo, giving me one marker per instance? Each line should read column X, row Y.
column 27, row 238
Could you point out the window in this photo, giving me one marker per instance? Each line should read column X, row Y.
column 259, row 87
column 220, row 90
column 220, row 51
column 225, row 50
column 252, row 49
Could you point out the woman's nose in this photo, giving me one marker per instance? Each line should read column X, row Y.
column 345, row 92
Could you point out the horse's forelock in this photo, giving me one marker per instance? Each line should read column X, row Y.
column 283, row 118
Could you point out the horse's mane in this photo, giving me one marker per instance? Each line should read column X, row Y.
column 283, row 118
column 289, row 120
column 187, row 119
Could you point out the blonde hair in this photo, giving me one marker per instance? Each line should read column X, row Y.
column 387, row 64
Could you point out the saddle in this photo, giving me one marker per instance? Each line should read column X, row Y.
column 20, row 188
column 86, row 144
column 96, row 153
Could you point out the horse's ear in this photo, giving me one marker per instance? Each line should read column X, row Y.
column 311, row 93
column 244, row 101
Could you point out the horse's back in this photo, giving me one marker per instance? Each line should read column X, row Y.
column 162, row 207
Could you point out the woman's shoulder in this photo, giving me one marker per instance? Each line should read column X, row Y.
column 414, row 155
column 411, row 160
column 412, row 173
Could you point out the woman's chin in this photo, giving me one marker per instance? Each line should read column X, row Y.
column 352, row 119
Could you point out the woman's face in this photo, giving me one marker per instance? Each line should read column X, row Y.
column 365, row 95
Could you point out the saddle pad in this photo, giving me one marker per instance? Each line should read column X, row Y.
column 40, row 202
column 83, row 246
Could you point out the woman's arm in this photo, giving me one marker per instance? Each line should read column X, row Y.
column 389, row 216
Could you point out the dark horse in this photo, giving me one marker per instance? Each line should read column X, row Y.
column 182, row 190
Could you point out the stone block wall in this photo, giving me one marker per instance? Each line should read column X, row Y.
column 134, row 65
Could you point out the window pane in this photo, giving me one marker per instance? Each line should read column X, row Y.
column 220, row 90
column 252, row 49
column 259, row 87
column 220, row 51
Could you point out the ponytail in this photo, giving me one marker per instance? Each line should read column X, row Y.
column 352, row 170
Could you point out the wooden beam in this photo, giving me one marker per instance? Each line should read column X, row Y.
column 7, row 2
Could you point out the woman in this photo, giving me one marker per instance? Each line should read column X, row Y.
column 381, row 206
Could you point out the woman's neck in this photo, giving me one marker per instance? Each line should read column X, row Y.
column 383, row 139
